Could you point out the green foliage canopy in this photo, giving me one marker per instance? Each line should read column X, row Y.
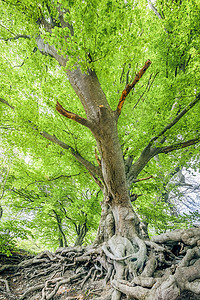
column 114, row 38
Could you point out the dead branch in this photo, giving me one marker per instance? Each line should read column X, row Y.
column 129, row 87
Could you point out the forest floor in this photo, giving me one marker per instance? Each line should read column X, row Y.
column 14, row 282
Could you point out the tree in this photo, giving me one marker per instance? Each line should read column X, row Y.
column 59, row 210
column 88, row 40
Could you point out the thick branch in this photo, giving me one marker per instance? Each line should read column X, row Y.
column 6, row 102
column 141, row 162
column 150, row 151
column 129, row 87
column 72, row 116
column 89, row 166
column 50, row 50
column 178, row 117
column 178, row 146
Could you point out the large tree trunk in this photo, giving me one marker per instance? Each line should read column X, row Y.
column 102, row 121
column 113, row 171
column 104, row 128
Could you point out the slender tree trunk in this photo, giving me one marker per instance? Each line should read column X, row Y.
column 81, row 233
column 62, row 237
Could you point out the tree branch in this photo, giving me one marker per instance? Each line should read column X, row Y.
column 24, row 36
column 6, row 102
column 154, row 9
column 72, row 116
column 46, row 49
column 150, row 151
column 94, row 171
column 178, row 117
column 4, row 184
column 141, row 162
column 98, row 182
column 62, row 21
column 7, row 29
column 129, row 87
column 52, row 179
column 142, row 179
column 178, row 146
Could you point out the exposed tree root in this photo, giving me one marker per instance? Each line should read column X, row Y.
column 6, row 285
column 162, row 268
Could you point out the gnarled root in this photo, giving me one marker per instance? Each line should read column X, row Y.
column 138, row 269
column 184, row 276
column 128, row 258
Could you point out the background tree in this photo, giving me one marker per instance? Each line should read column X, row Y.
column 57, row 210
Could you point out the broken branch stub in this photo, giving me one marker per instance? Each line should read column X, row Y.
column 71, row 115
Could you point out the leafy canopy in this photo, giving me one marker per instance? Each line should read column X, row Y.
column 114, row 38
